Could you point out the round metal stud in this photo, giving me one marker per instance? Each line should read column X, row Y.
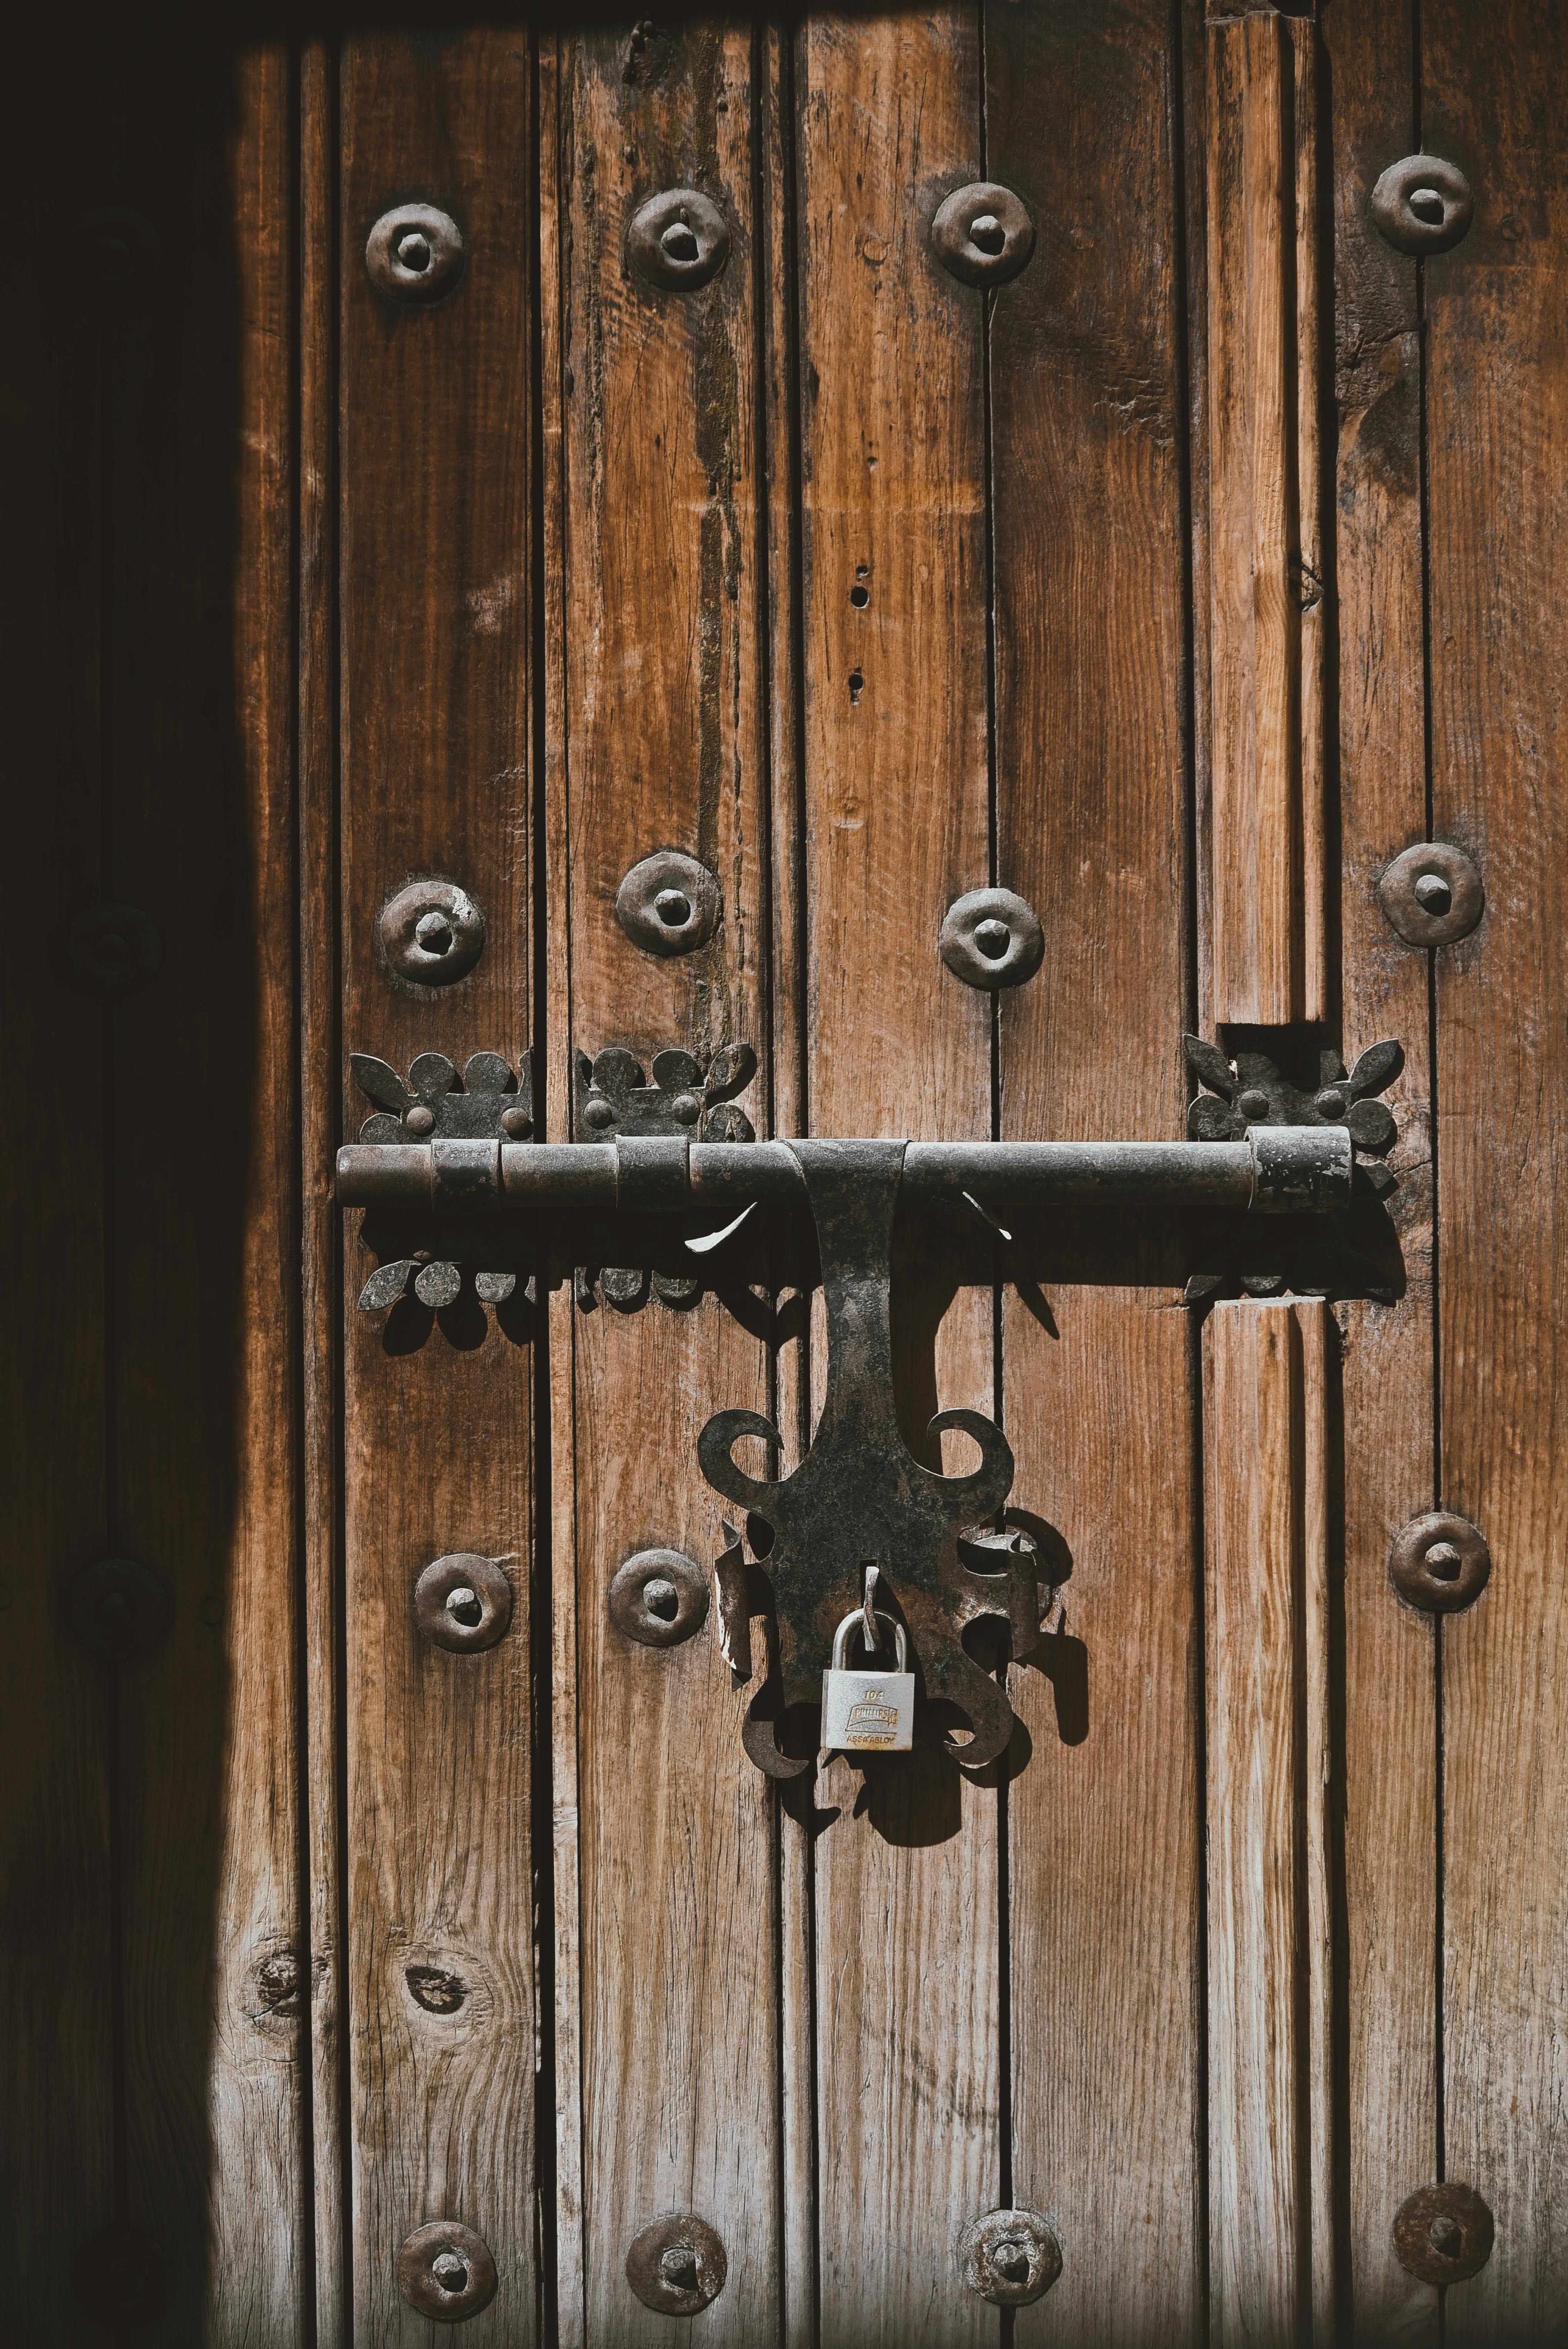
column 1443, row 2233
column 111, row 950
column 678, row 241
column 677, row 2265
column 991, row 939
column 116, row 1607
column 119, row 249
column 668, row 904
column 981, row 234
column 431, row 933
column 463, row 1602
column 1440, row 1562
column 446, row 2270
column 1422, row 205
column 1431, row 895
column 1009, row 2256
column 659, row 1598
column 415, row 252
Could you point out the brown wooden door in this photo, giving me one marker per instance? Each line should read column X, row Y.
column 386, row 585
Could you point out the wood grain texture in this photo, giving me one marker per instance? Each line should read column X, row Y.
column 895, row 790
column 660, row 740
column 204, row 1331
column 1390, row 1763
column 1498, row 440
column 1266, row 563
column 57, row 2151
column 1265, row 1455
column 1104, row 1883
column 435, row 734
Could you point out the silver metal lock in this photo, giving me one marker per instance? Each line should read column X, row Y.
column 868, row 1711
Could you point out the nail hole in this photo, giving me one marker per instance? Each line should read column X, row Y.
column 859, row 597
column 862, row 570
column 449, row 2271
column 661, row 1597
column 673, row 908
column 1011, row 2262
column 435, row 1990
column 677, row 2266
column 434, row 933
column 1443, row 1562
column 463, row 1606
column 993, row 938
column 679, row 240
column 1427, row 205
column 987, row 232
column 857, row 685
column 414, row 251
column 1433, row 894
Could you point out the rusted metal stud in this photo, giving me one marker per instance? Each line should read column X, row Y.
column 1440, row 1562
column 431, row 933
column 116, row 1607
column 415, row 252
column 678, row 241
column 119, row 249
column 981, row 234
column 659, row 1598
column 668, row 904
column 446, row 2270
column 1422, row 205
column 1443, row 2233
column 677, row 2265
column 111, row 950
column 1009, row 2256
column 992, row 938
column 463, row 1602
column 1431, row 895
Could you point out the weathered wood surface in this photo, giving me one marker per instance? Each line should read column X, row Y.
column 1497, row 416
column 1389, row 1764
column 659, row 739
column 434, row 534
column 1103, row 1885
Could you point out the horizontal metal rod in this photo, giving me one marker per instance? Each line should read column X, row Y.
column 1278, row 1169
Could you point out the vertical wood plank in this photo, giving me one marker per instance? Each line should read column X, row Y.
column 895, row 791
column 57, row 2151
column 435, row 731
column 660, row 742
column 1390, row 1792
column 1266, row 559
column 204, row 1215
column 1266, row 1378
column 1104, row 1882
column 1498, row 440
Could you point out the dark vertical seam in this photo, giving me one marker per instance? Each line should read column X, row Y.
column 1301, row 1968
column 1187, row 688
column 542, row 1584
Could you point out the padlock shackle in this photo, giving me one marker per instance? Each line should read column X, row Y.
column 842, row 1639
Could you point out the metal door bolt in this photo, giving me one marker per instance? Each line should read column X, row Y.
column 1443, row 2233
column 415, row 252
column 1422, row 205
column 992, row 938
column 1009, row 2256
column 431, row 933
column 116, row 1607
column 677, row 2265
column 981, row 234
column 659, row 1598
column 668, row 904
column 446, row 2270
column 463, row 1602
column 1432, row 894
column 1440, row 1562
column 111, row 950
column 678, row 241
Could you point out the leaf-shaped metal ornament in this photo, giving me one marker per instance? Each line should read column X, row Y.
column 386, row 1284
column 377, row 1082
column 431, row 1076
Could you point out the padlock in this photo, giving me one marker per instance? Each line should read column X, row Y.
column 866, row 1712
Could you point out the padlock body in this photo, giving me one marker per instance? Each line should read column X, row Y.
column 868, row 1711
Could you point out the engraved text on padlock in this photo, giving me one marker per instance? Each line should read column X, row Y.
column 867, row 1711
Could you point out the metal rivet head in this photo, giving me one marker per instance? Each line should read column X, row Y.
column 1422, row 205
column 598, row 1114
column 430, row 934
column 1440, row 1563
column 516, row 1122
column 111, row 950
column 116, row 1607
column 668, row 904
column 659, row 1598
column 1331, row 1103
column 1431, row 895
column 991, row 939
column 1252, row 1103
column 1443, row 2233
column 446, row 2270
column 678, row 241
column 420, row 1119
column 677, row 2265
column 415, row 252
column 1009, row 2258
column 463, row 1602
column 687, row 1107
column 981, row 234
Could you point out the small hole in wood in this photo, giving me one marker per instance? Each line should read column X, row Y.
column 859, row 597
column 857, row 685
